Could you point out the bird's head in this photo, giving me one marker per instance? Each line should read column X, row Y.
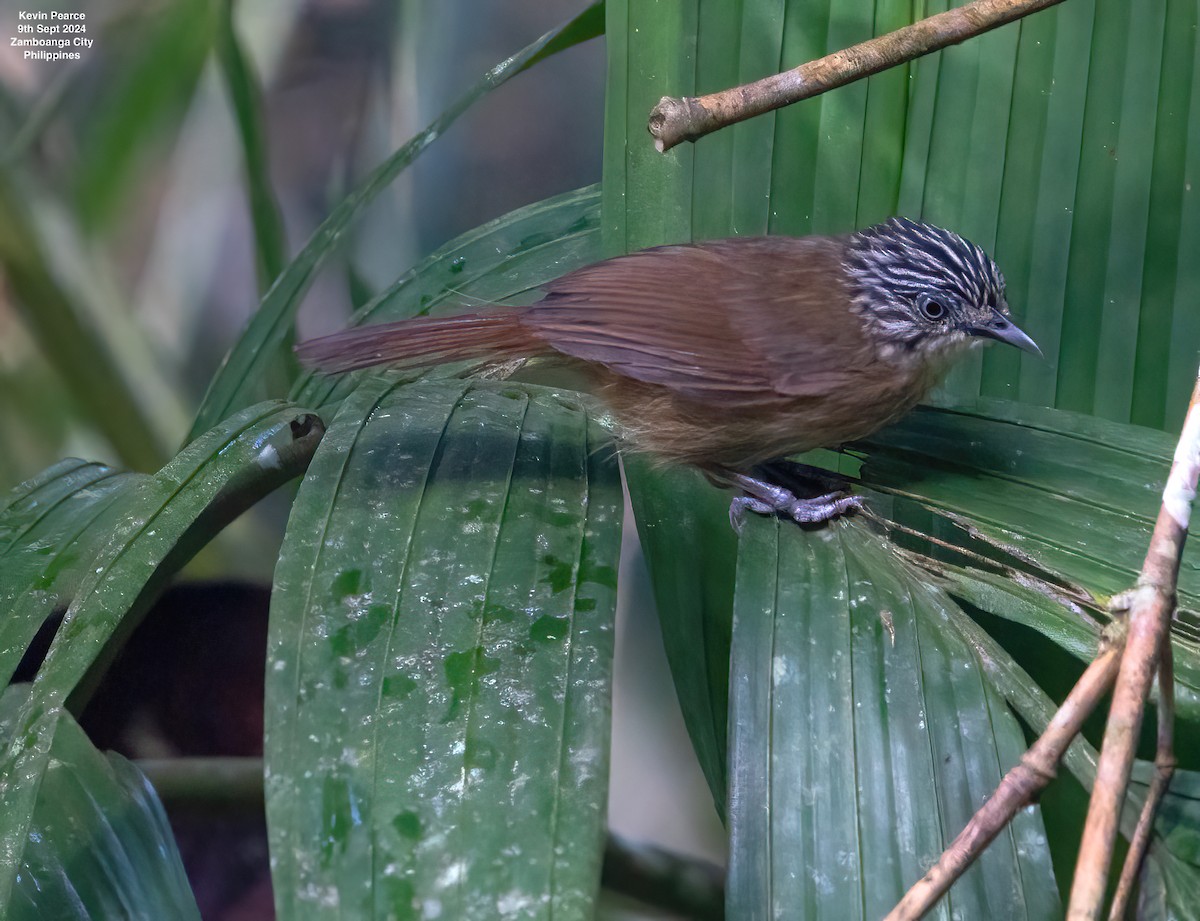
column 924, row 290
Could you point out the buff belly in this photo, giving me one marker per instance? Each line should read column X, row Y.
column 713, row 435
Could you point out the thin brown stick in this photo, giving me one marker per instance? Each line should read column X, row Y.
column 1151, row 607
column 674, row 121
column 1164, row 770
column 1150, row 613
column 1019, row 787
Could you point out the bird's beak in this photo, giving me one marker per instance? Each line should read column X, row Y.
column 1002, row 329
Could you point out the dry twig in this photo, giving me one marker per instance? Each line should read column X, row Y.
column 1164, row 770
column 674, row 121
column 1150, row 611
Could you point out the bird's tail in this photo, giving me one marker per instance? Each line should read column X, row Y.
column 423, row 341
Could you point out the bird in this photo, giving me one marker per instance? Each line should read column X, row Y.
column 731, row 355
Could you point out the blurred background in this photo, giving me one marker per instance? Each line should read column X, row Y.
column 128, row 266
column 129, row 167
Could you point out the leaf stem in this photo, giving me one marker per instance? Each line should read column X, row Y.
column 207, row 784
column 682, row 885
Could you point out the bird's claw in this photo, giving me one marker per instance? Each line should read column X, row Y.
column 763, row 494
column 742, row 504
column 822, row 508
column 815, row 510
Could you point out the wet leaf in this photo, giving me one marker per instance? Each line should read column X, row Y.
column 153, row 529
column 99, row 843
column 440, row 657
column 863, row 736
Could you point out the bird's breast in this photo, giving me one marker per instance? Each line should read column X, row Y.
column 674, row 428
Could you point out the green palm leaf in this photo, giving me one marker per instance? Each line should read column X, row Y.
column 454, row 680
column 99, row 844
column 136, row 542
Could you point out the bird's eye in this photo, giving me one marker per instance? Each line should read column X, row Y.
column 933, row 310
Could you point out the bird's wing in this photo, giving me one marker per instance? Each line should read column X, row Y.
column 736, row 322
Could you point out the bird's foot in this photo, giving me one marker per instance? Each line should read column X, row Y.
column 765, row 498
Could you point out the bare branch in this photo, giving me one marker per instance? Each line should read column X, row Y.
column 1164, row 770
column 673, row 120
column 1151, row 608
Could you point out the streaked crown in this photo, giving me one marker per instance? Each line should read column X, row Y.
column 924, row 288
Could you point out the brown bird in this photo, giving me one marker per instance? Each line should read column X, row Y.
column 733, row 354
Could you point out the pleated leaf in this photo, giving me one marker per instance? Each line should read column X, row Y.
column 1170, row 884
column 1002, row 481
column 440, row 658
column 48, row 537
column 150, row 531
column 691, row 552
column 863, row 737
column 1066, row 143
column 1013, row 471
column 99, row 843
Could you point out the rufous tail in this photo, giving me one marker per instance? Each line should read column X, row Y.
column 423, row 341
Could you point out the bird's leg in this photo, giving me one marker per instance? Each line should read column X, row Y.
column 827, row 499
